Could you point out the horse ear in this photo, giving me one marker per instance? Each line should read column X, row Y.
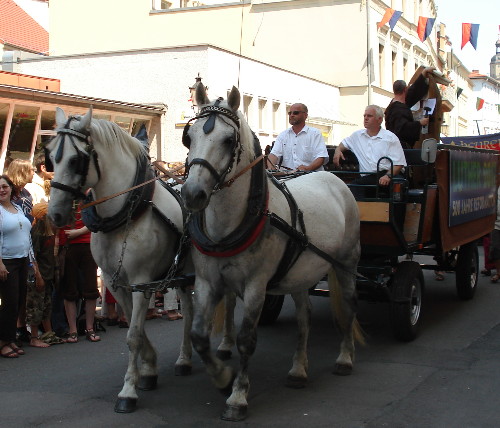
column 201, row 95
column 60, row 117
column 234, row 99
column 85, row 122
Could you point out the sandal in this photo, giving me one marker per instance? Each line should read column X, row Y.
column 36, row 342
column 17, row 349
column 72, row 338
column 50, row 338
column 11, row 354
column 173, row 315
column 439, row 276
column 495, row 278
column 91, row 336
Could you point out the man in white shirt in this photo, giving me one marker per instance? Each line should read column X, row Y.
column 369, row 145
column 37, row 185
column 301, row 147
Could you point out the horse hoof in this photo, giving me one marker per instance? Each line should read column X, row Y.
column 125, row 405
column 342, row 370
column 183, row 370
column 296, row 382
column 224, row 355
column 147, row 383
column 234, row 413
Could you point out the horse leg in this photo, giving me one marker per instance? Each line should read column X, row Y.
column 297, row 376
column 135, row 308
column 205, row 302
column 183, row 365
column 148, row 378
column 236, row 404
column 342, row 286
column 224, row 351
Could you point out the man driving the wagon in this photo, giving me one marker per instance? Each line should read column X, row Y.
column 369, row 145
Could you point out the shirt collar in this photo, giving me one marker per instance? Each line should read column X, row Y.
column 378, row 136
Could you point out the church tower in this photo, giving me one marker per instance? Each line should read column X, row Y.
column 495, row 62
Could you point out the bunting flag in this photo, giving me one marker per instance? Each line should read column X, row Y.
column 479, row 103
column 459, row 91
column 469, row 34
column 391, row 16
column 424, row 27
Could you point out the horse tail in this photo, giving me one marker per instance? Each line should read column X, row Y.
column 338, row 308
column 218, row 318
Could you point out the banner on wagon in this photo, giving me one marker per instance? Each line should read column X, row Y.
column 490, row 141
column 472, row 186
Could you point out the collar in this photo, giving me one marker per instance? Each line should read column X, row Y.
column 304, row 129
column 378, row 136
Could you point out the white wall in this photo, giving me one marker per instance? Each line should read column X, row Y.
column 164, row 76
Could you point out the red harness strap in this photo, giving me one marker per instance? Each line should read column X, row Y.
column 251, row 239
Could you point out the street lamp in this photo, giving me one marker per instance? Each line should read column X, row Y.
column 192, row 91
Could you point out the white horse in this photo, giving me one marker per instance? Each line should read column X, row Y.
column 240, row 228
column 139, row 230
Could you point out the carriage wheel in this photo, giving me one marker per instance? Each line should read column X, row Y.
column 271, row 309
column 406, row 305
column 466, row 273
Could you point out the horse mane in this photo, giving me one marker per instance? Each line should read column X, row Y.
column 111, row 136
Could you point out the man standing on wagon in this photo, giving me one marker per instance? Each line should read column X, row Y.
column 398, row 114
column 369, row 145
column 301, row 147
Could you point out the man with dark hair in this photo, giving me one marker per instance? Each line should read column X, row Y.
column 37, row 186
column 301, row 147
column 398, row 114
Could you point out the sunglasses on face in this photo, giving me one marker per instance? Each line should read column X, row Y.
column 295, row 112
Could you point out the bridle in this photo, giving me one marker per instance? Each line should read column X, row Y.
column 81, row 166
column 212, row 112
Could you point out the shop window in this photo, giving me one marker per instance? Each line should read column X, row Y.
column 4, row 111
column 22, row 132
column 123, row 122
column 136, row 125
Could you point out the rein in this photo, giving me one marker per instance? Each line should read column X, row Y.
column 166, row 173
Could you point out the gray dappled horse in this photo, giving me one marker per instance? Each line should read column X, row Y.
column 243, row 221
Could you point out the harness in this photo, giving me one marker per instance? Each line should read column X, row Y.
column 82, row 162
column 257, row 212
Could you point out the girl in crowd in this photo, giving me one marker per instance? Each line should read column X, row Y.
column 15, row 249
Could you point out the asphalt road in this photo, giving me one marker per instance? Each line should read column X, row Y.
column 448, row 377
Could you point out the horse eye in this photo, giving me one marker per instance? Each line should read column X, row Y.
column 229, row 141
column 72, row 162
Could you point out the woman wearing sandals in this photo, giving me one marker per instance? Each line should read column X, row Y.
column 15, row 251
column 79, row 263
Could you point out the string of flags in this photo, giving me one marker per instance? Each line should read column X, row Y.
column 469, row 31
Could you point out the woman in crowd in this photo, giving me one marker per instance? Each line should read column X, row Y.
column 78, row 261
column 15, row 248
column 21, row 172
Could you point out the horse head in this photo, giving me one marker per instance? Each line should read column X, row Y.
column 71, row 153
column 216, row 143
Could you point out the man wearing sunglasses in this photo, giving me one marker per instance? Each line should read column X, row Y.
column 301, row 147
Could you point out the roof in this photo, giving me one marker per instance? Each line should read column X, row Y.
column 19, row 29
column 61, row 98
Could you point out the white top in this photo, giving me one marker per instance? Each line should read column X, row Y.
column 37, row 190
column 300, row 149
column 15, row 234
column 369, row 150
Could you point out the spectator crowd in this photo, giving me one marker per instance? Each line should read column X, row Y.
column 49, row 282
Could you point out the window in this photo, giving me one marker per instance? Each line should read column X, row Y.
column 123, row 122
column 381, row 64
column 262, row 114
column 22, row 132
column 247, row 102
column 394, row 66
